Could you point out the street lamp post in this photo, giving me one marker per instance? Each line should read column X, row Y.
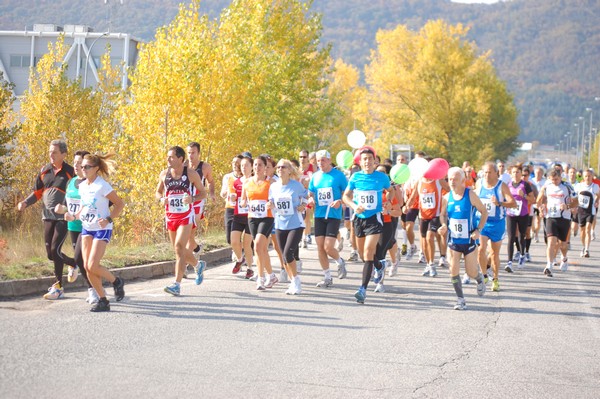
column 87, row 58
column 576, row 155
column 582, row 119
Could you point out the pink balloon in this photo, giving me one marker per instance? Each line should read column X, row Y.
column 438, row 168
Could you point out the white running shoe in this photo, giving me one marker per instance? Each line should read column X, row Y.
column 92, row 296
column 466, row 279
column 379, row 288
column 283, row 276
column 325, row 283
column 299, row 266
column 481, row 287
column 460, row 304
column 443, row 262
column 422, row 257
column 426, row 271
column 394, row 269
column 340, row 246
column 564, row 265
column 72, row 274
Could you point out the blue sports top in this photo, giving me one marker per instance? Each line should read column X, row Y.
column 461, row 218
column 367, row 190
column 495, row 213
column 326, row 188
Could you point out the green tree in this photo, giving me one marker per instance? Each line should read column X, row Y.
column 432, row 90
column 8, row 128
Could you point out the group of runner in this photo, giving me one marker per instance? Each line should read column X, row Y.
column 281, row 203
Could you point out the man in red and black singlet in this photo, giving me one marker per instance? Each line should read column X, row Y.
column 175, row 188
column 50, row 187
column 204, row 170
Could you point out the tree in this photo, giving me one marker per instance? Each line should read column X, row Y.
column 8, row 128
column 432, row 90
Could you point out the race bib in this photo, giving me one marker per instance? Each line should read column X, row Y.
column 258, row 209
column 176, row 205
column 73, row 205
column 324, row 196
column 367, row 199
column 90, row 218
column 489, row 205
column 584, row 201
column 459, row 228
column 515, row 211
column 284, row 206
column 427, row 200
column 554, row 209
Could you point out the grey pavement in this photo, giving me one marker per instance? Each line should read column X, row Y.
column 539, row 337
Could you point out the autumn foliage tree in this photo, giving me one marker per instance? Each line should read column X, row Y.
column 431, row 89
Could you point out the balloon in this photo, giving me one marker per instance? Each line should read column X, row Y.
column 344, row 159
column 417, row 167
column 356, row 139
column 400, row 173
column 357, row 156
column 437, row 169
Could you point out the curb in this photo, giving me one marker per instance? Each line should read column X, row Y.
column 17, row 288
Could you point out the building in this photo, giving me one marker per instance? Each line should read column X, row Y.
column 21, row 50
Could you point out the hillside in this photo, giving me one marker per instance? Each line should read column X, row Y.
column 546, row 50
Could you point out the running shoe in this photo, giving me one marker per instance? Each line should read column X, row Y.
column 460, row 304
column 309, row 239
column 249, row 273
column 325, row 283
column 198, row 251
column 527, row 257
column 516, row 256
column 353, row 256
column 490, row 272
column 283, row 276
column 189, row 270
column 422, row 257
column 304, row 243
column 92, row 296
column 593, row 236
column 380, row 273
column 340, row 244
column 173, row 289
column 404, row 250
column 481, row 288
column 486, row 279
column 582, row 253
column 394, row 269
column 298, row 266
column 443, row 262
column 54, row 292
column 587, row 254
column 295, row 288
column 426, row 271
column 236, row 267
column 432, row 271
column 342, row 269
column 548, row 271
column 495, row 286
column 379, row 288
column 72, row 274
column 119, row 288
column 360, row 295
column 260, row 284
column 101, row 306
column 410, row 253
column 508, row 267
column 466, row 279
column 200, row 267
column 272, row 280
column 521, row 262
column 564, row 265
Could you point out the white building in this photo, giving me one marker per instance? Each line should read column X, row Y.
column 21, row 50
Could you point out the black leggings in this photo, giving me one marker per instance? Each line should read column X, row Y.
column 228, row 223
column 288, row 242
column 55, row 232
column 512, row 223
column 386, row 240
column 78, row 257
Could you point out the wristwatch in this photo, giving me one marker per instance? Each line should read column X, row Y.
column 109, row 219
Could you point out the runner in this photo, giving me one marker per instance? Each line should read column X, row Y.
column 326, row 188
column 539, row 181
column 288, row 198
column 97, row 224
column 228, row 194
column 273, row 178
column 587, row 194
column 73, row 206
column 410, row 212
column 50, row 186
column 528, row 233
column 364, row 195
column 255, row 195
column 517, row 218
column 306, row 170
column 556, row 199
column 457, row 219
column 241, row 239
column 174, row 189
column 496, row 197
column 505, row 177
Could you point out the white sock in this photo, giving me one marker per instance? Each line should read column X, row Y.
column 327, row 273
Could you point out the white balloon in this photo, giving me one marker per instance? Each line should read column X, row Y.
column 356, row 139
column 418, row 167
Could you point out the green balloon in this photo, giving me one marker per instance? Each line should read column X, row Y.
column 345, row 159
column 400, row 173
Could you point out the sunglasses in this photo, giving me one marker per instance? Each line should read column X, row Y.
column 88, row 167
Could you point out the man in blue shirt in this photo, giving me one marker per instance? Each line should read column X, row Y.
column 364, row 196
column 326, row 188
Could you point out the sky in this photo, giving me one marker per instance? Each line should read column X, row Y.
column 476, row 1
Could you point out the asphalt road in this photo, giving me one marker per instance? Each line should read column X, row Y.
column 538, row 337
